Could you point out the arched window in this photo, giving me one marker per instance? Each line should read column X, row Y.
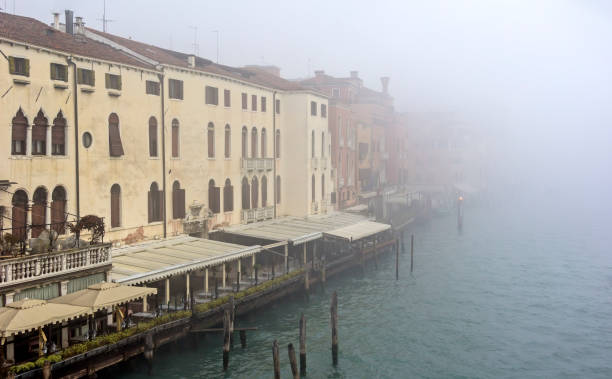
column 178, row 201
column 114, row 137
column 228, row 141
column 19, row 214
column 58, row 135
column 211, row 140
column 322, row 144
column 214, row 197
column 254, row 142
column 116, row 206
column 264, row 145
column 156, row 200
column 313, row 189
column 278, row 145
column 278, row 189
column 175, row 138
column 39, row 211
column 19, row 131
column 312, row 146
column 152, row 136
column 323, row 186
column 246, row 194
column 228, row 196
column 39, row 135
column 245, row 143
column 58, row 209
column 264, row 191
column 254, row 192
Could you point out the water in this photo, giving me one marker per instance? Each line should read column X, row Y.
column 518, row 294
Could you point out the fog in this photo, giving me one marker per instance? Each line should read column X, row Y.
column 534, row 75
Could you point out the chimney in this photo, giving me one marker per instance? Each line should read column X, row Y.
column 191, row 60
column 355, row 74
column 319, row 73
column 79, row 25
column 69, row 24
column 385, row 84
column 56, row 21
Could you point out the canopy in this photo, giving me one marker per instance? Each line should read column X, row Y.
column 30, row 314
column 103, row 295
column 359, row 230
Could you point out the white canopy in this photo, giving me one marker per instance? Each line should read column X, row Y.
column 359, row 230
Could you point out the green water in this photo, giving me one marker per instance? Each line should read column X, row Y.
column 515, row 295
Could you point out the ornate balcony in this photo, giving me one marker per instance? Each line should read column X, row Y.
column 259, row 164
column 257, row 214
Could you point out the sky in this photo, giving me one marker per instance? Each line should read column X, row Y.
column 536, row 74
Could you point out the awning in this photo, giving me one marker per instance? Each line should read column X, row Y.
column 104, row 295
column 295, row 229
column 359, row 230
column 357, row 208
column 30, row 314
column 157, row 260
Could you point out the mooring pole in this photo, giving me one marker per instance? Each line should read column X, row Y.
column 243, row 342
column 276, row 360
column 302, row 345
column 460, row 213
column 334, row 325
column 292, row 361
column 411, row 252
column 148, row 352
column 396, row 259
column 232, row 310
column 226, row 338
column 403, row 247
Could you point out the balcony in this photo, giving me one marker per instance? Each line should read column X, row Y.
column 314, row 208
column 323, row 163
column 45, row 266
column 259, row 164
column 314, row 163
column 257, row 214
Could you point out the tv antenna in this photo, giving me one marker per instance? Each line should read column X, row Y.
column 216, row 31
column 196, row 46
column 104, row 19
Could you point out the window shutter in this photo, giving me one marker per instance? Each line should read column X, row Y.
column 12, row 65
column 27, row 67
column 119, row 82
column 80, row 75
column 231, row 198
column 107, row 80
column 57, row 215
column 52, row 68
column 115, row 146
column 115, row 207
column 175, row 142
column 160, row 205
column 181, row 203
column 93, row 78
column 39, row 133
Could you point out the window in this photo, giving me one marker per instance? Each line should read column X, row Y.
column 116, row 206
column 58, row 135
column 175, row 138
column 323, row 110
column 19, row 132
column 152, row 88
column 39, row 134
column 19, row 66
column 244, row 101
column 246, row 194
column 254, row 192
column 113, row 81
column 245, row 143
column 178, row 201
column 323, row 186
column 228, row 141
column 277, row 142
column 114, row 138
column 264, row 191
column 175, row 89
column 212, row 95
column 322, row 144
column 59, row 72
column 210, row 135
column 313, row 189
column 214, row 197
column 264, row 145
column 335, row 92
column 152, row 137
column 228, row 196
column 254, row 142
column 312, row 144
column 39, row 211
column 253, row 102
column 58, row 210
column 87, row 139
column 19, row 215
column 263, row 104
column 277, row 106
column 156, row 199
column 313, row 108
column 278, row 189
column 227, row 100
column 85, row 76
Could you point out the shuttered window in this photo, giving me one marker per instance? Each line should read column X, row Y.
column 175, row 89
column 278, row 189
column 254, row 143
column 58, row 135
column 39, row 134
column 228, row 196
column 175, row 138
column 178, row 201
column 313, row 108
column 277, row 106
column 323, row 110
column 87, row 77
column 278, row 145
column 313, row 189
column 253, row 102
column 19, row 214
column 212, row 95
column 244, row 101
column 152, row 137
column 39, row 211
column 228, row 141
column 214, row 197
column 264, row 143
column 113, row 81
column 58, row 210
column 227, row 101
column 19, row 66
column 254, row 192
column 114, row 137
column 115, row 206
column 19, row 131
column 210, row 136
column 245, row 143
column 246, row 194
column 263, row 104
column 264, row 191
column 155, row 202
column 59, row 72
column 152, row 88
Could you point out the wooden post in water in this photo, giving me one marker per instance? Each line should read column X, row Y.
column 460, row 213
column 243, row 338
column 292, row 361
column 148, row 351
column 226, row 338
column 232, row 310
column 402, row 237
column 334, row 325
column 411, row 252
column 396, row 259
column 275, row 359
column 302, row 345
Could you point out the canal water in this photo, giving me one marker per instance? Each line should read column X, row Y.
column 519, row 293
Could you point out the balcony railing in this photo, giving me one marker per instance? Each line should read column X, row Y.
column 314, row 163
column 259, row 164
column 43, row 266
column 323, row 162
column 257, row 214
column 314, row 207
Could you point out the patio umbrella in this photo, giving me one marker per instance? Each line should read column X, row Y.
column 104, row 295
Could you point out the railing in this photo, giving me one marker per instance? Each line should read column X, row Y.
column 314, row 163
column 260, row 164
column 257, row 214
column 314, row 207
column 42, row 266
column 323, row 163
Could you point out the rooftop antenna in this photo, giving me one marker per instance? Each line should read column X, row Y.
column 216, row 31
column 104, row 19
column 196, row 47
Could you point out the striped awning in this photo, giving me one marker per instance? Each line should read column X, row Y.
column 104, row 295
column 358, row 231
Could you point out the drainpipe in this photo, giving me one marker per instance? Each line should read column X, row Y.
column 76, row 135
column 163, row 136
column 274, row 144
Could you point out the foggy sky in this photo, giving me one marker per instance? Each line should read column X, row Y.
column 536, row 74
